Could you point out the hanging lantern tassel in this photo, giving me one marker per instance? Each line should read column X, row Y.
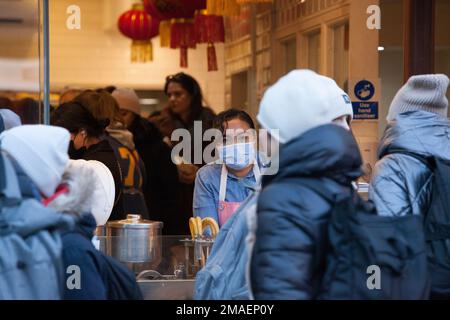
column 141, row 51
column 209, row 29
column 182, row 36
column 183, row 57
column 164, row 33
column 212, row 58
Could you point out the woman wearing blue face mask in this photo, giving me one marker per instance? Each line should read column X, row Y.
column 220, row 188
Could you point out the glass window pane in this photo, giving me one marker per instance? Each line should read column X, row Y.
column 442, row 50
column 340, row 55
column 19, row 59
column 314, row 52
column 290, row 54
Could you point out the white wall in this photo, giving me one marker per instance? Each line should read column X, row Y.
column 98, row 55
column 19, row 46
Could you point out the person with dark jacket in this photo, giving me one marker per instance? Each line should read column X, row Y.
column 162, row 186
column 100, row 277
column 417, row 123
column 288, row 260
column 87, row 143
column 184, row 110
column 103, row 106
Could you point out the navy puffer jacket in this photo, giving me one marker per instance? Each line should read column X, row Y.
column 288, row 260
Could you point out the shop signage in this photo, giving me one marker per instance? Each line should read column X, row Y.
column 365, row 109
column 364, row 90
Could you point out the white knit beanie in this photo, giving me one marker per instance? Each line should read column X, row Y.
column 424, row 92
column 127, row 100
column 300, row 101
column 41, row 151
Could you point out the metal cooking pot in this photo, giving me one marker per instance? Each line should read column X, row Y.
column 134, row 240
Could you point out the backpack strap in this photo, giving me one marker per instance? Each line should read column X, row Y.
column 437, row 226
column 434, row 230
column 430, row 162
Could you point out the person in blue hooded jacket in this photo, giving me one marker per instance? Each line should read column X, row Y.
column 418, row 124
column 288, row 260
column 33, row 158
column 87, row 193
column 8, row 120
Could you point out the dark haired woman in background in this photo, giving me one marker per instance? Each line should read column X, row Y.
column 221, row 188
column 28, row 110
column 185, row 107
column 103, row 106
column 86, row 143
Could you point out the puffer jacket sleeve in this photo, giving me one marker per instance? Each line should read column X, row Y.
column 289, row 252
column 400, row 186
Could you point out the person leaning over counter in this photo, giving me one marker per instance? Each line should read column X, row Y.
column 221, row 188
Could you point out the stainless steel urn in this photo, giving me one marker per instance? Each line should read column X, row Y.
column 134, row 240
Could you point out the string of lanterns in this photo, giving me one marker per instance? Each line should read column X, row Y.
column 181, row 24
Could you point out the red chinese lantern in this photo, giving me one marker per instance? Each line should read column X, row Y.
column 182, row 36
column 139, row 26
column 165, row 10
column 170, row 9
column 209, row 29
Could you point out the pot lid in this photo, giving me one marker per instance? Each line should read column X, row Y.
column 134, row 221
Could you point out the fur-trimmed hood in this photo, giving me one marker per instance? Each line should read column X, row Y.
column 91, row 190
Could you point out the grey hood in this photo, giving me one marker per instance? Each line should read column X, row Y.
column 421, row 132
column 119, row 132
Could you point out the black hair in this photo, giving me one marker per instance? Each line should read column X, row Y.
column 192, row 87
column 74, row 117
column 5, row 103
column 231, row 114
column 109, row 89
column 28, row 110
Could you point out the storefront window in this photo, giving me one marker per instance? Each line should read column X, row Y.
column 391, row 57
column 340, row 55
column 314, row 55
column 239, row 90
column 442, row 38
column 290, row 54
column 20, row 59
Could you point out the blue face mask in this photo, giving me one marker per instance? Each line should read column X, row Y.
column 237, row 156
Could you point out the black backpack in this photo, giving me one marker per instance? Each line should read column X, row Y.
column 372, row 257
column 437, row 224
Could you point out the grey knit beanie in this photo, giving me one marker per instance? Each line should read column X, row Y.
column 424, row 92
